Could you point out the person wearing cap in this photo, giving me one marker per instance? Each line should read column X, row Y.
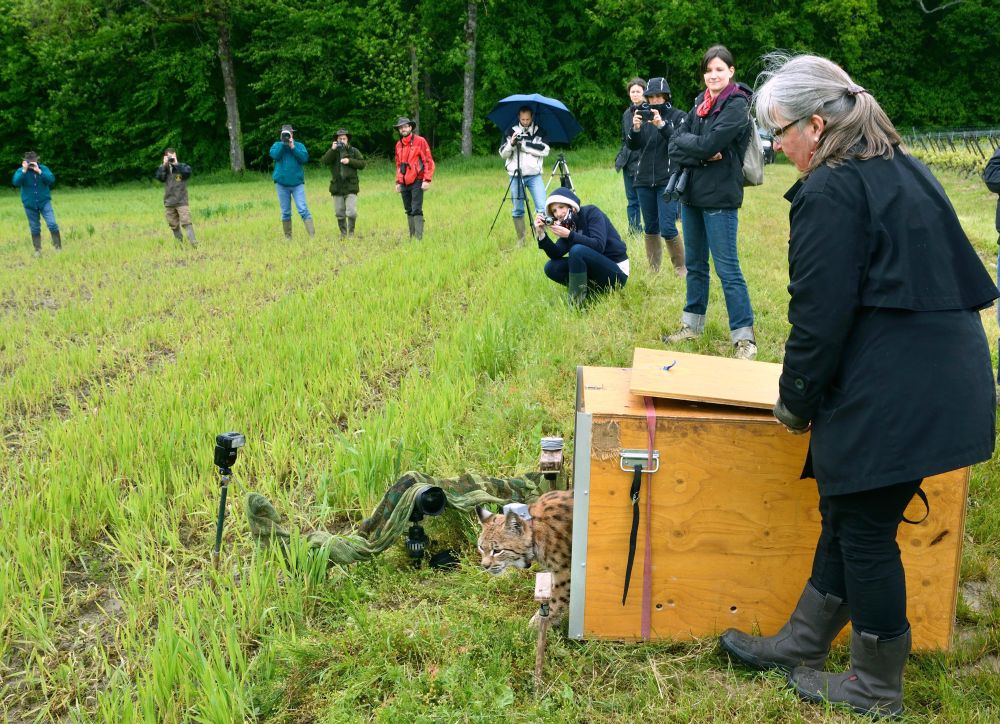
column 174, row 176
column 649, row 137
column 588, row 252
column 289, row 180
column 344, row 161
column 414, row 170
column 523, row 153
column 36, row 181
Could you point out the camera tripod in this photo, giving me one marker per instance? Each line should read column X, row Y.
column 560, row 167
column 521, row 188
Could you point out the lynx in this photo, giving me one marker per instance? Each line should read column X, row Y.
column 508, row 540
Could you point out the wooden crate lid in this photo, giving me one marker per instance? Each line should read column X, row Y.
column 703, row 378
column 605, row 391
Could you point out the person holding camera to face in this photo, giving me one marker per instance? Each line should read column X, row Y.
column 174, row 176
column 588, row 252
column 649, row 135
column 289, row 180
column 414, row 170
column 36, row 181
column 627, row 159
column 344, row 161
column 522, row 152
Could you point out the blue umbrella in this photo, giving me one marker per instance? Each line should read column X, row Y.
column 550, row 114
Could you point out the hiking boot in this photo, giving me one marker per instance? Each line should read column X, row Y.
column 681, row 335
column 745, row 349
column 804, row 640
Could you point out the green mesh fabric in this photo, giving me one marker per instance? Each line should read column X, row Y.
column 390, row 519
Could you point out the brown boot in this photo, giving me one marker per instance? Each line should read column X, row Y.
column 654, row 251
column 519, row 229
column 286, row 226
column 676, row 249
column 310, row 227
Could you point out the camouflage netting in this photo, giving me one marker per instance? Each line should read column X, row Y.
column 390, row 518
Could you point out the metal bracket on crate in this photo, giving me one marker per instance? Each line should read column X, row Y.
column 633, row 456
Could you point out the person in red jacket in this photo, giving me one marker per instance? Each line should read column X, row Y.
column 414, row 169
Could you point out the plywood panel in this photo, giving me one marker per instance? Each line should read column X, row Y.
column 704, row 378
column 734, row 530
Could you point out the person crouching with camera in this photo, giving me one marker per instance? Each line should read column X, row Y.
column 522, row 152
column 36, row 181
column 344, row 161
column 174, row 176
column 588, row 252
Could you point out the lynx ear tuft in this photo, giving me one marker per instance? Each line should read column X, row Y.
column 484, row 515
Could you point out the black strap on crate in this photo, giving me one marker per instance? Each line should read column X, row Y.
column 634, row 493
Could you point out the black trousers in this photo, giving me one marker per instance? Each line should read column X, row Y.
column 413, row 198
column 857, row 557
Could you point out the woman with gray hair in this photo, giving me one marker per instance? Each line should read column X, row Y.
column 886, row 363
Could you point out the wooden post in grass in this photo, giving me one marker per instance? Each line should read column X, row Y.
column 543, row 594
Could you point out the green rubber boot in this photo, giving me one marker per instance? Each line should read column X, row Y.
column 577, row 289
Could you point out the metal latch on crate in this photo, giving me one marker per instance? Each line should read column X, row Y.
column 632, row 457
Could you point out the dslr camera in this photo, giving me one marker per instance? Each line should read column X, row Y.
column 645, row 112
column 341, row 144
column 286, row 136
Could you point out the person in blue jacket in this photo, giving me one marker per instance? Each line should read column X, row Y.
column 588, row 252
column 289, row 157
column 36, row 181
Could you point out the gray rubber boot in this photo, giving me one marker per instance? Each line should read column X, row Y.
column 190, row 232
column 519, row 229
column 654, row 251
column 577, row 289
column 57, row 240
column 310, row 227
column 177, row 233
column 286, row 226
column 36, row 241
column 342, row 225
column 803, row 641
column 351, row 220
column 675, row 247
column 874, row 683
column 412, row 225
column 418, row 226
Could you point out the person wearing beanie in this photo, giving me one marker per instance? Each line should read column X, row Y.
column 414, row 170
column 588, row 252
column 36, row 181
column 344, row 161
column 289, row 180
column 523, row 153
column 649, row 137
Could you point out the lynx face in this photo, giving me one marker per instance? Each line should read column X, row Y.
column 505, row 541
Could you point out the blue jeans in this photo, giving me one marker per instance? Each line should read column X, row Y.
column 602, row 273
column 46, row 213
column 535, row 187
column 714, row 231
column 658, row 213
column 632, row 209
column 285, row 196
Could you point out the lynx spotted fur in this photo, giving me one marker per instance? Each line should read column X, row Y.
column 511, row 541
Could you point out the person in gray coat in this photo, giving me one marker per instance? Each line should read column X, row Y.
column 886, row 363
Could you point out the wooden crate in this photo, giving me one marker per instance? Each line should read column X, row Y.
column 734, row 527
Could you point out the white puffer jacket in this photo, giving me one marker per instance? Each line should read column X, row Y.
column 533, row 150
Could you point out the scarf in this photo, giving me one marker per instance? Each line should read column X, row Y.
column 709, row 101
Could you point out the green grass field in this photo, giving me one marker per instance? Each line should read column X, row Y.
column 344, row 364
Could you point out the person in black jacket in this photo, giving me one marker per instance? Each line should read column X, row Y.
column 886, row 362
column 626, row 159
column 991, row 175
column 589, row 253
column 344, row 161
column 711, row 146
column 174, row 176
column 649, row 136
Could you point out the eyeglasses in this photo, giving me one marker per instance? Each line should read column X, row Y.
column 781, row 131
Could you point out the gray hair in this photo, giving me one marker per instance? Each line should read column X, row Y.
column 795, row 88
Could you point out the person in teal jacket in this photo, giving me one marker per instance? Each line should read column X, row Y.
column 36, row 181
column 289, row 157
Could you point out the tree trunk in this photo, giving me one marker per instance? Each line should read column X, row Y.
column 229, row 86
column 414, row 86
column 468, row 101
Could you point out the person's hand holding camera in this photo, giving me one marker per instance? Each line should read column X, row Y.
column 656, row 120
column 637, row 120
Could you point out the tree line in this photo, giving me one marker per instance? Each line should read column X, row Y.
column 100, row 87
